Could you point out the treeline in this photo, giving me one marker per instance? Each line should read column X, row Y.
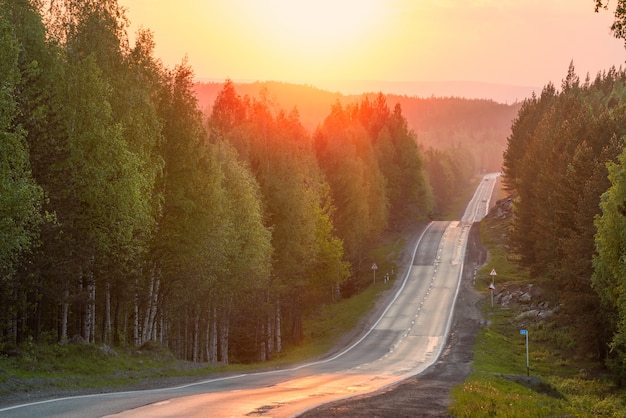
column 128, row 217
column 565, row 165
column 474, row 126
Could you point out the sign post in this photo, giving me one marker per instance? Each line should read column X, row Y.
column 374, row 268
column 525, row 332
column 493, row 275
column 492, row 287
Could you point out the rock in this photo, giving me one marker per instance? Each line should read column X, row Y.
column 109, row 350
column 532, row 314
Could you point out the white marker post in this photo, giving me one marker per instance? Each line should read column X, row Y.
column 492, row 287
column 525, row 332
column 374, row 268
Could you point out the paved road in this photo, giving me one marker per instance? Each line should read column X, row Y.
column 406, row 339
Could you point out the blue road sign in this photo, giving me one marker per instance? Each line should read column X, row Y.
column 523, row 332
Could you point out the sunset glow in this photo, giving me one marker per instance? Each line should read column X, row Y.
column 510, row 42
column 307, row 38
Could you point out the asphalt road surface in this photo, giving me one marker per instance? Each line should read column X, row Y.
column 406, row 339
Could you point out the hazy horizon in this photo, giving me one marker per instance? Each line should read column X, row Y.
column 502, row 50
column 501, row 93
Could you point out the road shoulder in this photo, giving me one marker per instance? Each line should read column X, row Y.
column 428, row 394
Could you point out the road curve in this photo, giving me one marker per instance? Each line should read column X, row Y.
column 406, row 339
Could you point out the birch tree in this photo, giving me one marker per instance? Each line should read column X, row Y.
column 20, row 196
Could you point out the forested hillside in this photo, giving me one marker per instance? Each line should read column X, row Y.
column 564, row 163
column 472, row 126
column 129, row 216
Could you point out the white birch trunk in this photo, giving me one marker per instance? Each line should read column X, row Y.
column 224, row 328
column 151, row 309
column 269, row 334
column 263, row 343
column 154, row 308
column 145, row 330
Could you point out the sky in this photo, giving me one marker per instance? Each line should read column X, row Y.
column 393, row 44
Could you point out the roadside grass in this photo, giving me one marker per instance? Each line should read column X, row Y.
column 85, row 366
column 560, row 384
column 32, row 367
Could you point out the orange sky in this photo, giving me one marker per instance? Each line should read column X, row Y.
column 517, row 42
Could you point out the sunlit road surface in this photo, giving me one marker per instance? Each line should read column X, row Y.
column 408, row 338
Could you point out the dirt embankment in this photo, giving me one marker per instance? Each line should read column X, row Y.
column 429, row 393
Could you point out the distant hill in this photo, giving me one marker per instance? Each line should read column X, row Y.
column 439, row 122
column 501, row 93
column 312, row 103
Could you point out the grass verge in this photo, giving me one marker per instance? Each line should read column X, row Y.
column 559, row 383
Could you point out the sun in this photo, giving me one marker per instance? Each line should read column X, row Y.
column 314, row 29
column 320, row 22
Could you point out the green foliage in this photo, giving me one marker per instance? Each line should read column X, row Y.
column 20, row 197
column 560, row 383
column 555, row 165
column 449, row 174
column 127, row 218
column 619, row 24
column 609, row 274
column 346, row 157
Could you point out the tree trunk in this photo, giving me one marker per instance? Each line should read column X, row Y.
column 91, row 310
column 207, row 335
column 269, row 333
column 65, row 307
column 107, row 314
column 213, row 358
column 20, row 317
column 211, row 335
column 154, row 309
column 136, row 339
column 296, row 327
column 115, row 337
column 196, row 336
column 38, row 313
column 147, row 313
column 269, row 336
column 279, row 339
column 88, row 292
column 224, row 330
column 186, row 336
column 151, row 309
column 262, row 341
column 161, row 329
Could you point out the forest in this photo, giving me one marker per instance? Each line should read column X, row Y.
column 565, row 166
column 130, row 215
column 475, row 126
